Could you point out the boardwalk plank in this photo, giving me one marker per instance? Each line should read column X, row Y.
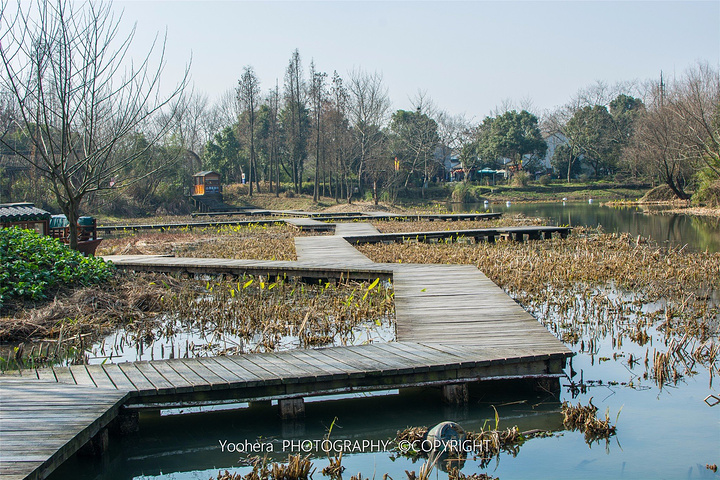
column 178, row 381
column 214, row 380
column 336, row 365
column 46, row 374
column 357, row 362
column 250, row 379
column 118, row 377
column 63, row 375
column 159, row 382
column 320, row 370
column 378, row 356
column 198, row 383
column 142, row 384
column 99, row 376
column 81, row 375
column 245, row 362
column 228, row 376
column 288, row 372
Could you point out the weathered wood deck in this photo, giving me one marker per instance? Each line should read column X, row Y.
column 42, row 423
column 296, row 218
column 358, row 267
column 518, row 234
column 355, row 229
column 453, row 326
column 289, row 374
column 309, row 225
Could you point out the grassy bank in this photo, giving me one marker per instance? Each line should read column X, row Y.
column 536, row 192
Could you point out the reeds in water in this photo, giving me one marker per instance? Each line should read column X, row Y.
column 584, row 418
column 594, row 285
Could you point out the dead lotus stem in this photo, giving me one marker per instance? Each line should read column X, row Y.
column 584, row 418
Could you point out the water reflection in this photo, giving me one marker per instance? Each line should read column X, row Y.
column 698, row 233
column 188, row 446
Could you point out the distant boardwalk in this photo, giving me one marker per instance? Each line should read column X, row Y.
column 303, row 220
column 454, row 326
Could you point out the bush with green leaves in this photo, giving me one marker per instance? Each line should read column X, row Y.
column 32, row 264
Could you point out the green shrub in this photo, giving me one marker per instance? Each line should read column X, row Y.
column 544, row 180
column 461, row 193
column 31, row 264
column 520, row 179
column 708, row 193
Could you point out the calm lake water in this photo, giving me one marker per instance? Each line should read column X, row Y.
column 698, row 233
column 666, row 433
column 662, row 433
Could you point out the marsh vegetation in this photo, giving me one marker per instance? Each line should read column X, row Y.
column 154, row 316
column 594, row 286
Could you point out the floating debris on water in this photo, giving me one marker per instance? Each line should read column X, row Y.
column 584, row 418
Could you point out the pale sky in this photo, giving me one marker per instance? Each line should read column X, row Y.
column 468, row 56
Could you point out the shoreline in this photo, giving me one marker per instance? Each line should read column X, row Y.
column 672, row 207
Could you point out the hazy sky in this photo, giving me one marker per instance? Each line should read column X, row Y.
column 468, row 56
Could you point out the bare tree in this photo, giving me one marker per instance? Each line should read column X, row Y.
column 340, row 136
column 273, row 102
column 248, row 96
column 296, row 116
column 695, row 100
column 81, row 101
column 369, row 104
column 454, row 132
column 318, row 96
column 192, row 127
column 659, row 147
column 225, row 111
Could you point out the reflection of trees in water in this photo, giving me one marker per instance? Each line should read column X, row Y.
column 698, row 233
column 708, row 229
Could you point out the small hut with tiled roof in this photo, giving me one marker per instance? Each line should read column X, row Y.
column 25, row 215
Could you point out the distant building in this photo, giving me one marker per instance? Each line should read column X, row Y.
column 26, row 216
column 206, row 183
column 553, row 141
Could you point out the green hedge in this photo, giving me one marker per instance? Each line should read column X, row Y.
column 31, row 264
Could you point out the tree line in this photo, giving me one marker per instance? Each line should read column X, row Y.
column 79, row 119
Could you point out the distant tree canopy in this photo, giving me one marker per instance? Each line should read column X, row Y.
column 511, row 136
column 593, row 135
column 310, row 132
column 414, row 139
column 224, row 154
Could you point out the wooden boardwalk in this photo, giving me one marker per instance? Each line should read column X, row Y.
column 296, row 218
column 335, row 250
column 519, row 234
column 289, row 374
column 42, row 423
column 453, row 326
column 309, row 225
column 359, row 267
column 459, row 305
column 355, row 229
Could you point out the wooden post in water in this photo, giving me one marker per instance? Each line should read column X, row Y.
column 291, row 408
column 127, row 421
column 96, row 446
column 456, row 394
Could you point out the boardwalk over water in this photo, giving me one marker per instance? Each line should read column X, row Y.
column 298, row 219
column 453, row 326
